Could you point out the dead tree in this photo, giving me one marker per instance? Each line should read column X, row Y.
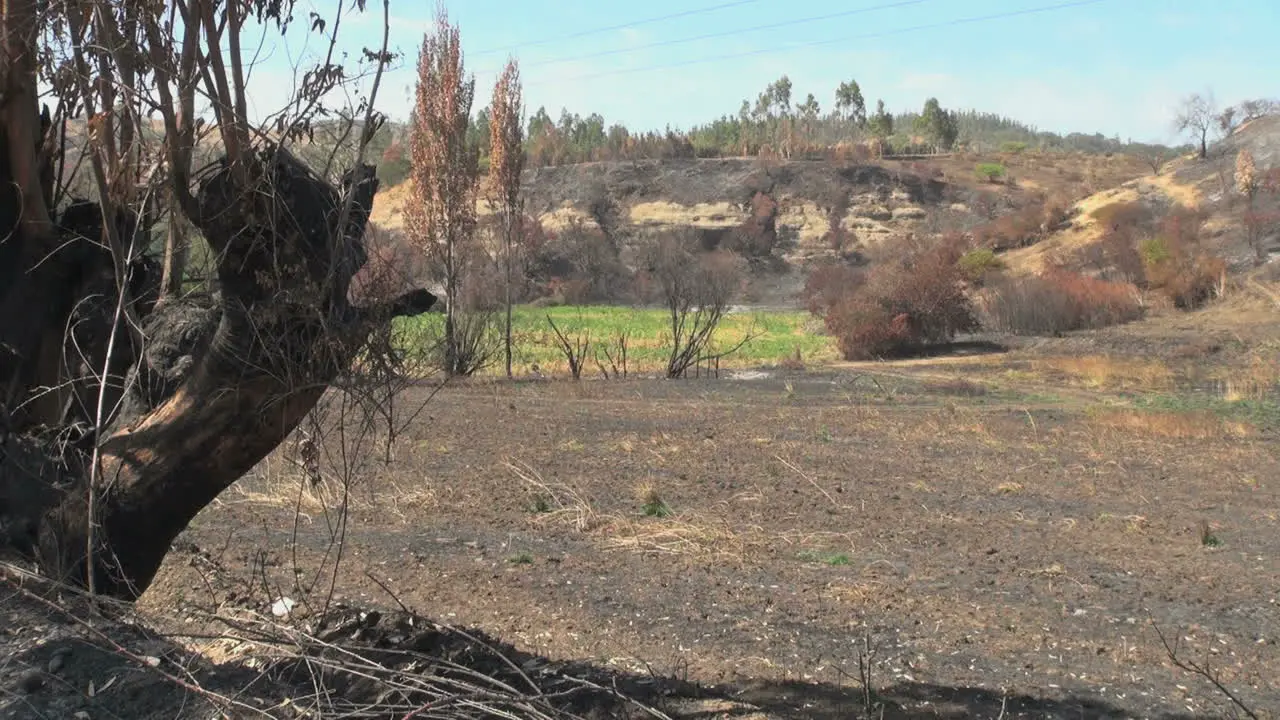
column 506, row 163
column 441, row 214
column 104, row 461
column 1197, row 117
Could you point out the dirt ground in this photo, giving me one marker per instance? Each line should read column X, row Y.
column 991, row 536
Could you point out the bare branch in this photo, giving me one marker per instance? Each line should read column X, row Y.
column 574, row 349
column 1203, row 670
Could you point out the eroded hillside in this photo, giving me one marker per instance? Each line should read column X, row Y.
column 1208, row 186
column 807, row 210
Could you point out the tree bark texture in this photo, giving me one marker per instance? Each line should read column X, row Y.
column 221, row 381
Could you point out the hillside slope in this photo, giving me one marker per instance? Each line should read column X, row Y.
column 816, row 210
column 1207, row 185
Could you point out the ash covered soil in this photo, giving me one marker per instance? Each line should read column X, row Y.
column 994, row 545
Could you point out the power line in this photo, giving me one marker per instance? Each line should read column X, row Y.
column 727, row 33
column 623, row 26
column 832, row 41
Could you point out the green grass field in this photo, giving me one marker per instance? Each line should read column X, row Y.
column 775, row 336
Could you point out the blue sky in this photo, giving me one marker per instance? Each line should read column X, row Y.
column 1111, row 66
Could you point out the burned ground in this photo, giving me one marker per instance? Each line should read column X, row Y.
column 999, row 524
column 1005, row 532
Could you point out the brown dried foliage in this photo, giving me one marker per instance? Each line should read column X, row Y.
column 1020, row 228
column 441, row 214
column 1178, row 266
column 1058, row 301
column 829, row 284
column 904, row 305
column 506, row 163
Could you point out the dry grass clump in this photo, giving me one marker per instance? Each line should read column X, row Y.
column 658, row 531
column 1258, row 380
column 557, row 502
column 960, row 387
column 700, row 535
column 1102, row 371
column 1179, row 425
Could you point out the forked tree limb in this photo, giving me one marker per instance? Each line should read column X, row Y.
column 284, row 331
column 244, row 369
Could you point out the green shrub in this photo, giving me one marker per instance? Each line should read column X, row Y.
column 991, row 172
column 1154, row 251
column 975, row 264
column 1013, row 146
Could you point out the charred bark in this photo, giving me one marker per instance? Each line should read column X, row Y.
column 223, row 379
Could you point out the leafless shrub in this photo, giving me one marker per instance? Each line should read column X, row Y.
column 696, row 289
column 573, row 348
column 615, row 354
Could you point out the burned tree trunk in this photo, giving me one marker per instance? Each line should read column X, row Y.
column 121, row 418
column 218, row 387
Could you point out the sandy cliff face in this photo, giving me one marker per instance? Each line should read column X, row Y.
column 814, row 200
column 807, row 211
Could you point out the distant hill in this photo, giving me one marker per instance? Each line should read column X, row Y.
column 1207, row 185
column 812, row 211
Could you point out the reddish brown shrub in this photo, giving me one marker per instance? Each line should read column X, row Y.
column 1182, row 226
column 757, row 235
column 1177, row 265
column 865, row 330
column 1058, row 301
column 393, row 267
column 924, row 170
column 1259, row 226
column 838, row 238
column 986, row 204
column 828, row 284
column 1056, row 211
column 1189, row 281
column 846, row 153
column 1020, row 228
column 904, row 305
column 1116, row 257
column 1271, row 181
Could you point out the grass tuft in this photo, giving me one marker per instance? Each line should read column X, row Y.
column 824, row 557
column 651, row 502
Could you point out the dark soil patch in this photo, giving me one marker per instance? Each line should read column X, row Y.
column 988, row 547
